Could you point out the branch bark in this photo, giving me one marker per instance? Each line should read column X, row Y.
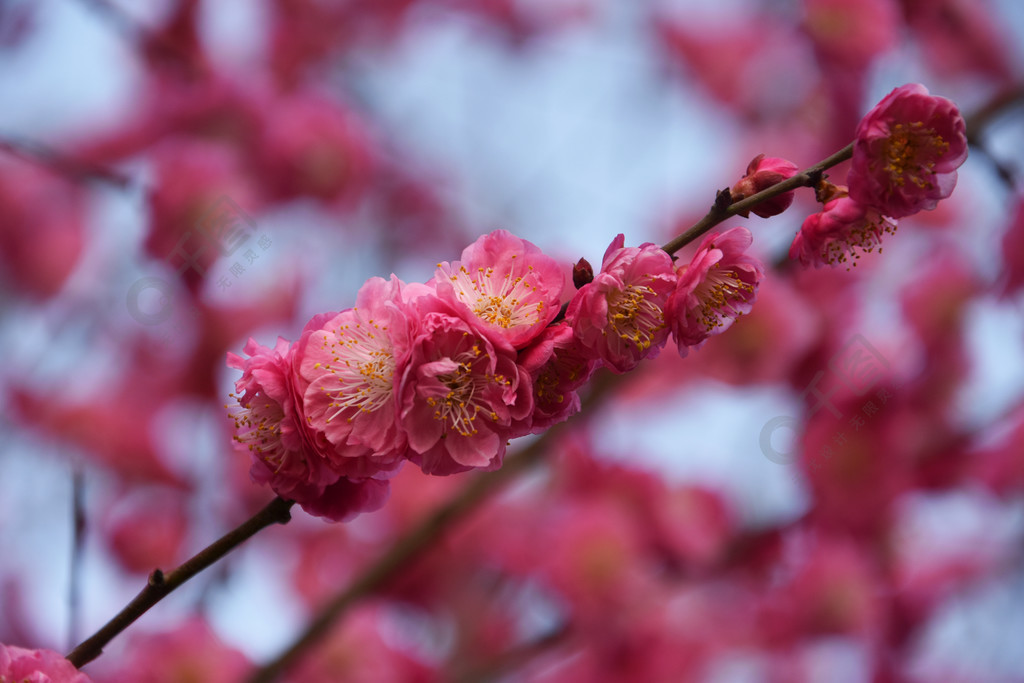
column 809, row 177
column 278, row 511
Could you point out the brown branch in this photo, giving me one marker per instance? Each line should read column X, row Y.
column 978, row 123
column 160, row 584
column 982, row 118
column 62, row 164
column 147, row 40
column 722, row 210
column 512, row 659
column 78, row 529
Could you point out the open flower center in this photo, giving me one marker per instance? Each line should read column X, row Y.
column 363, row 363
column 863, row 237
column 465, row 400
column 258, row 428
column 911, row 151
column 502, row 300
column 719, row 293
column 634, row 317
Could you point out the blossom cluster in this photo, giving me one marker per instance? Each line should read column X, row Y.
column 905, row 159
column 445, row 373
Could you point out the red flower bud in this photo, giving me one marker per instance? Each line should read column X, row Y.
column 582, row 273
column 762, row 173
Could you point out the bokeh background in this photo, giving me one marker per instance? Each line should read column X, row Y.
column 357, row 138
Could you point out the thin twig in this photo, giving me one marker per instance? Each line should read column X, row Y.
column 160, row 584
column 720, row 211
column 978, row 123
column 78, row 523
column 724, row 207
column 513, row 658
column 62, row 164
column 141, row 37
column 982, row 118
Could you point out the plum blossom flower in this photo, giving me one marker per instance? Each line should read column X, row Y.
column 462, row 394
column 848, row 34
column 43, row 230
column 510, row 287
column 312, row 146
column 717, row 286
column 351, row 364
column 287, row 454
column 763, row 172
column 558, row 367
column 190, row 651
column 840, row 233
column 37, row 666
column 906, row 152
column 619, row 317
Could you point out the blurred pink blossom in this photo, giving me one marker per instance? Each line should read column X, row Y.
column 41, row 230
column 313, row 147
column 851, row 33
column 962, row 39
column 147, row 528
column 192, row 651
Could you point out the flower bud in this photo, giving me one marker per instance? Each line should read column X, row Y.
column 762, row 173
column 582, row 273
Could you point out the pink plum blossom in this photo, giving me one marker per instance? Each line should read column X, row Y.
column 851, row 34
column 462, row 394
column 42, row 232
column 840, row 233
column 906, row 152
column 829, row 588
column 510, row 287
column 18, row 664
column 619, row 317
column 315, row 147
column 270, row 425
column 717, row 286
column 763, row 172
column 558, row 367
column 351, row 364
column 147, row 527
column 357, row 649
column 192, row 176
column 191, row 651
column 962, row 39
column 287, row 454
